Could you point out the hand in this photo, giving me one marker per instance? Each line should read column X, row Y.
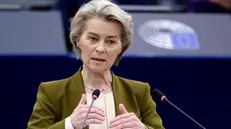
column 126, row 120
column 96, row 115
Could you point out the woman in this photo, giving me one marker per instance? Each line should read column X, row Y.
column 100, row 33
column 68, row 8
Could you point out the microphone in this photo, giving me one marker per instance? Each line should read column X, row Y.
column 94, row 96
column 158, row 94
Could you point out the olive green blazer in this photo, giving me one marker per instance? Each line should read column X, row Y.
column 57, row 99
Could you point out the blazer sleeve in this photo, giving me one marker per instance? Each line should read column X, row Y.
column 43, row 114
column 148, row 111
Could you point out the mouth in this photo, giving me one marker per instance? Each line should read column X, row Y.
column 98, row 59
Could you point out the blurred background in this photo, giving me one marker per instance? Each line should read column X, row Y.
column 181, row 47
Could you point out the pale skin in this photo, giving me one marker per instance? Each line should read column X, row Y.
column 100, row 44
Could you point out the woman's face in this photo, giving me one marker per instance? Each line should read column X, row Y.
column 100, row 44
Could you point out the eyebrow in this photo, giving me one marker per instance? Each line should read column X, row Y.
column 111, row 36
column 93, row 34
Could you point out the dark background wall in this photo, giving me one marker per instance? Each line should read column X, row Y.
column 200, row 86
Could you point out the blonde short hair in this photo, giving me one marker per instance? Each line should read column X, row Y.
column 103, row 9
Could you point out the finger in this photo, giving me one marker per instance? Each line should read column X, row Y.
column 93, row 106
column 95, row 116
column 120, row 121
column 88, row 106
column 123, row 110
column 127, row 125
column 98, row 108
column 83, row 109
column 83, row 99
column 97, row 111
column 80, row 110
column 93, row 121
column 124, row 116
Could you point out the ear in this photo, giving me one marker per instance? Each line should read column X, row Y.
column 77, row 42
column 118, row 58
column 120, row 52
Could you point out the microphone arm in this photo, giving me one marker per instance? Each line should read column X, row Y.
column 165, row 98
column 89, row 109
column 94, row 96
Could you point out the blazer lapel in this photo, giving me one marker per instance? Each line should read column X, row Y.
column 116, row 93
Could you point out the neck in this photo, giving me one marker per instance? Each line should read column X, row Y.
column 100, row 80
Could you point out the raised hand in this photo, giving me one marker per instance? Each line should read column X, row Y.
column 126, row 120
column 96, row 115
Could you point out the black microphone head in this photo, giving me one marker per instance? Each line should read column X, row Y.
column 158, row 94
column 95, row 94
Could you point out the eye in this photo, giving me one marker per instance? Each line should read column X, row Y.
column 110, row 42
column 92, row 39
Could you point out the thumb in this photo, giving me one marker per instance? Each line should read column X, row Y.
column 123, row 110
column 83, row 99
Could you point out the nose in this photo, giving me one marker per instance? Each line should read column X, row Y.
column 100, row 48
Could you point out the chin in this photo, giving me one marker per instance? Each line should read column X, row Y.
column 94, row 68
